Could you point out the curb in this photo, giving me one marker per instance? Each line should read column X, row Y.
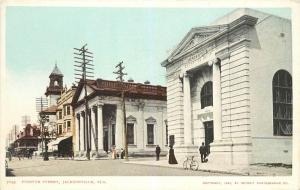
column 203, row 170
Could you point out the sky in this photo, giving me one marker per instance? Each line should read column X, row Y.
column 39, row 37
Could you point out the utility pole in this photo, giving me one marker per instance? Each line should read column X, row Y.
column 41, row 104
column 83, row 61
column 120, row 74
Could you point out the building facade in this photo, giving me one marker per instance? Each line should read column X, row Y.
column 65, row 123
column 27, row 140
column 229, row 85
column 145, row 107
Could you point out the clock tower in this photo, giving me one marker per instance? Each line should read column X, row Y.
column 55, row 87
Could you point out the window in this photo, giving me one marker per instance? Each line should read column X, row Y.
column 282, row 104
column 60, row 129
column 68, row 110
column 60, row 115
column 150, row 133
column 68, row 126
column 206, row 95
column 64, row 110
column 130, row 133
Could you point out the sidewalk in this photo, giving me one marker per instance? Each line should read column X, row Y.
column 252, row 170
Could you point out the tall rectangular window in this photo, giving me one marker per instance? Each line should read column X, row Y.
column 60, row 115
column 130, row 133
column 68, row 110
column 150, row 134
column 60, row 129
column 68, row 126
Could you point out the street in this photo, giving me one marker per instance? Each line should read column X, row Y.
column 38, row 167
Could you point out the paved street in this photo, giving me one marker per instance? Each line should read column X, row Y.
column 38, row 167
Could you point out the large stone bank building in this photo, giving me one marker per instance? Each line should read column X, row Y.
column 229, row 85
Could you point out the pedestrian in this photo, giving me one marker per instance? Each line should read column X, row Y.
column 113, row 153
column 122, row 153
column 203, row 152
column 157, row 151
column 172, row 159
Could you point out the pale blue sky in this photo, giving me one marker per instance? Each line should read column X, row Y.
column 141, row 37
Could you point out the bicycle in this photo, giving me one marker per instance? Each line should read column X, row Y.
column 190, row 163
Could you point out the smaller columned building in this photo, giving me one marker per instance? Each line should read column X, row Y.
column 104, row 129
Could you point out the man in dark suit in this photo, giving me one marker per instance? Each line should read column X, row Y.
column 157, row 151
column 202, row 151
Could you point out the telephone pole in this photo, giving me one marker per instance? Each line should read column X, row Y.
column 84, row 69
column 119, row 77
column 120, row 72
column 41, row 104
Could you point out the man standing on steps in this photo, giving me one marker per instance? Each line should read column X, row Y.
column 157, row 151
column 202, row 151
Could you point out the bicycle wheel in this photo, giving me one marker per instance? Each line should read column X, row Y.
column 185, row 165
column 194, row 165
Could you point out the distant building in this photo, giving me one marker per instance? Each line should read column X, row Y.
column 230, row 86
column 145, row 118
column 27, row 139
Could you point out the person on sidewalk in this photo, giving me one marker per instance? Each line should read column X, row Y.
column 172, row 159
column 122, row 153
column 202, row 151
column 157, row 151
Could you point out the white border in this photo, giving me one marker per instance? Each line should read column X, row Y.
column 161, row 182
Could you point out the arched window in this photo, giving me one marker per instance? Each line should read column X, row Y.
column 206, row 95
column 282, row 104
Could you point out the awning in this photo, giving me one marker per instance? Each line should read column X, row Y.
column 57, row 141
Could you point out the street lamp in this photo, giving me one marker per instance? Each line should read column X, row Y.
column 43, row 119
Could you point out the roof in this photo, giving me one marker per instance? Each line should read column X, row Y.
column 201, row 36
column 56, row 71
column 115, row 88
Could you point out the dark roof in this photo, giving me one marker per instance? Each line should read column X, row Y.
column 115, row 88
column 56, row 71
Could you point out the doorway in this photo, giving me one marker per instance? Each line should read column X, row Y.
column 209, row 133
column 105, row 141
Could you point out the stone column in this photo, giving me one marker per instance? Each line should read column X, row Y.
column 140, row 127
column 119, row 128
column 77, row 132
column 217, row 100
column 93, row 130
column 187, row 110
column 100, row 129
column 81, row 131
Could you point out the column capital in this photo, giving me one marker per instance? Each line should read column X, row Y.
column 216, row 61
column 100, row 104
column 141, row 105
column 184, row 74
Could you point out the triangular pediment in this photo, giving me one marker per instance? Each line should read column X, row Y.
column 130, row 119
column 82, row 93
column 150, row 120
column 194, row 38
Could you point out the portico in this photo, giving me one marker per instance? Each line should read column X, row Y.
column 104, row 128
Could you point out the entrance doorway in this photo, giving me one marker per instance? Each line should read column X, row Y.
column 209, row 133
column 105, row 140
